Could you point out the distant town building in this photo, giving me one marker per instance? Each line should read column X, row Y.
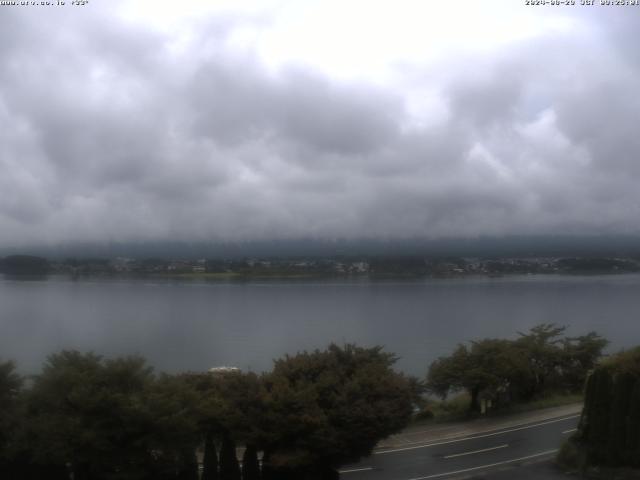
column 223, row 369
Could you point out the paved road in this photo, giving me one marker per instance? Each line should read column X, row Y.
column 466, row 456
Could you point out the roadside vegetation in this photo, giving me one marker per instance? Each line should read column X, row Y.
column 607, row 442
column 89, row 418
column 456, row 407
column 541, row 368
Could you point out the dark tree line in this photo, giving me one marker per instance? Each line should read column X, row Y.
column 89, row 418
column 539, row 362
column 24, row 265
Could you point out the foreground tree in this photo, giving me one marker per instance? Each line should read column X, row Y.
column 327, row 408
column 609, row 429
column 230, row 405
column 210, row 459
column 538, row 362
column 94, row 419
column 10, row 389
column 62, row 406
column 487, row 368
column 542, row 346
column 10, row 386
column 250, row 464
column 580, row 356
column 229, row 466
column 556, row 362
column 111, row 419
column 171, row 426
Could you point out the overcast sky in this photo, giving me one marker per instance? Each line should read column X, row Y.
column 206, row 120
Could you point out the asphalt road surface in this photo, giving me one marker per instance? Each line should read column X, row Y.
column 466, row 456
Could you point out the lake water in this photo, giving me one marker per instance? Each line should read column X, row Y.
column 194, row 325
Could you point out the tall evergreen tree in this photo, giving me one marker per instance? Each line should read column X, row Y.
column 229, row 466
column 267, row 470
column 622, row 392
column 250, row 465
column 601, row 411
column 210, row 460
column 632, row 456
column 609, row 430
column 189, row 466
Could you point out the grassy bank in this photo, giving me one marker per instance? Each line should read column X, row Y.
column 457, row 408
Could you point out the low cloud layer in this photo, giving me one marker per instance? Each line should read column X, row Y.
column 115, row 130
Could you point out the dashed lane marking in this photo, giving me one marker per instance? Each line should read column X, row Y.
column 455, row 455
column 353, row 470
column 481, row 467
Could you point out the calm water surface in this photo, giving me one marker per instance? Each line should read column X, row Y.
column 196, row 325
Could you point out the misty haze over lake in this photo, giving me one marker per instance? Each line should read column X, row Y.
column 181, row 325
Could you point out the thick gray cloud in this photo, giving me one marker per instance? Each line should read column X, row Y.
column 112, row 132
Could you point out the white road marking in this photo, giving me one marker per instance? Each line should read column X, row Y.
column 548, row 452
column 356, row 470
column 477, row 451
column 435, row 429
column 570, row 430
column 464, row 439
